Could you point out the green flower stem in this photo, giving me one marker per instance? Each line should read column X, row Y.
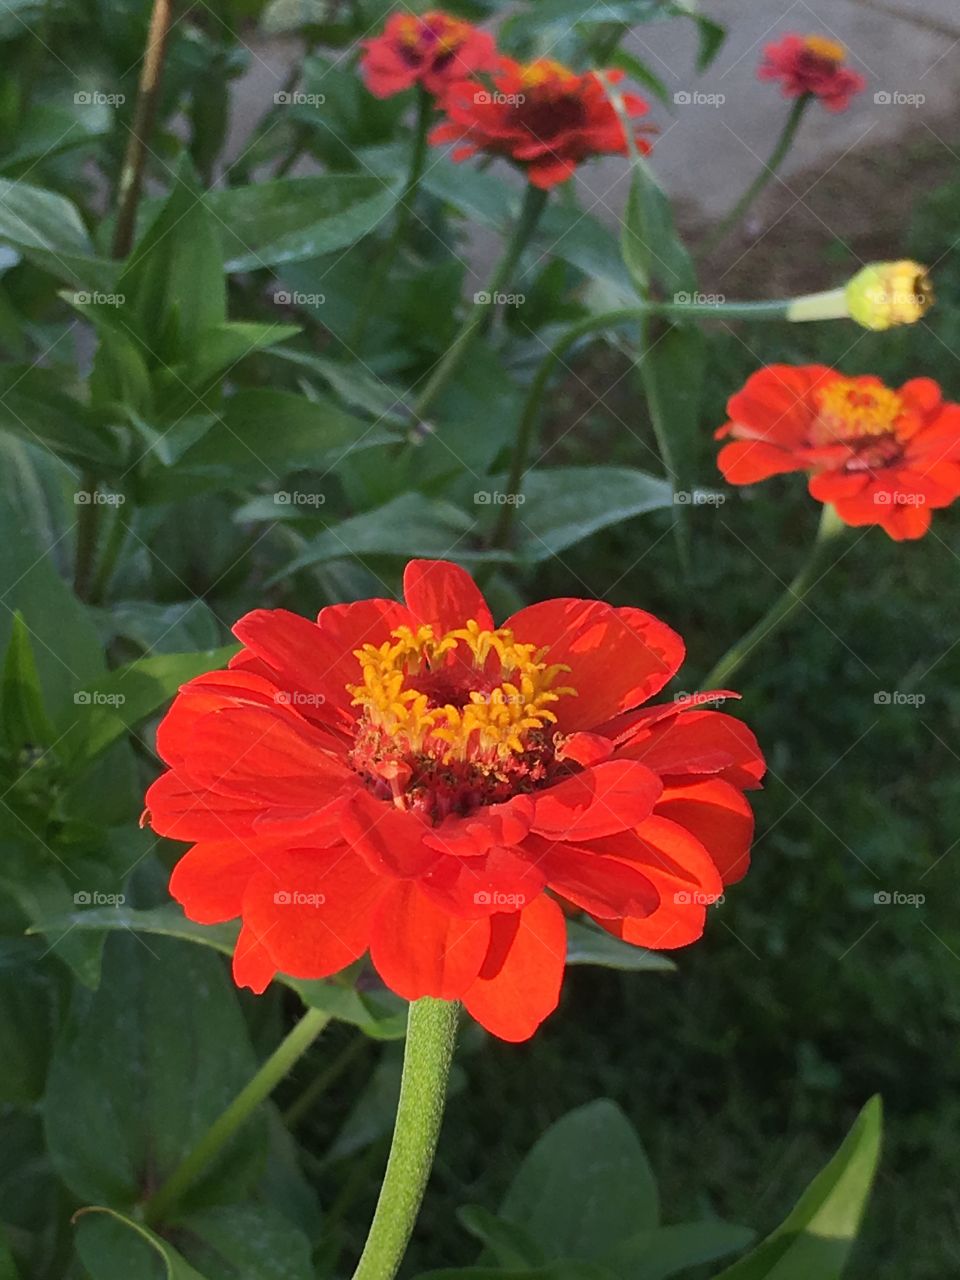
column 763, row 178
column 533, row 205
column 830, row 527
column 376, row 282
column 526, row 430
column 431, row 1031
column 292, row 1048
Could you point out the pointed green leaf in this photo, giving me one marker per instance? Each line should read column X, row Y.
column 109, row 1257
column 23, row 720
column 817, row 1236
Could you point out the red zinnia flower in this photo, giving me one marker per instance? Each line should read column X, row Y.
column 412, row 780
column 544, row 117
column 880, row 456
column 812, row 64
column 430, row 49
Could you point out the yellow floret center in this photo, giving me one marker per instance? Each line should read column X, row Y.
column 832, row 50
column 849, row 410
column 467, row 694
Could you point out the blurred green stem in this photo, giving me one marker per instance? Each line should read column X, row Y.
column 293, row 1047
column 431, row 1032
column 526, row 431
column 377, row 280
column 830, row 527
column 763, row 178
column 534, row 203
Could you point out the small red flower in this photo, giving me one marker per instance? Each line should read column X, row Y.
column 542, row 116
column 431, row 49
column 411, row 780
column 879, row 456
column 812, row 64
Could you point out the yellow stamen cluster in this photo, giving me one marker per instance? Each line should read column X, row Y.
column 832, row 50
column 494, row 723
column 448, row 32
column 544, row 71
column 849, row 410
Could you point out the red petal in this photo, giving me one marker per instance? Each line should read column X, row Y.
column 608, row 798
column 519, row 984
column 603, row 886
column 502, row 880
column 776, row 404
column 720, row 818
column 252, row 966
column 441, row 595
column 181, row 810
column 210, row 879
column 313, row 909
column 390, row 840
column 700, row 742
column 747, row 461
column 496, row 824
column 668, row 854
column 420, row 950
column 617, row 657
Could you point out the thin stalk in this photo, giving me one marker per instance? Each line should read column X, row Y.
column 289, row 1051
column 768, row 172
column 108, row 561
column 526, row 430
column 431, row 1031
column 378, row 276
column 317, row 1087
column 148, row 95
column 533, row 205
column 830, row 527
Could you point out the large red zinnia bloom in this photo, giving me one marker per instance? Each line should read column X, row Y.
column 412, row 780
column 879, row 456
column 812, row 64
column 430, row 50
column 541, row 115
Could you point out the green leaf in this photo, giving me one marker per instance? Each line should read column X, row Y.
column 263, row 435
column 48, row 230
column 8, row 1267
column 588, row 945
column 105, row 711
column 290, row 219
column 562, row 1269
column 817, row 1236
column 666, row 1251
column 165, row 1030
column 34, row 406
column 23, row 720
column 561, row 507
column 652, row 250
column 585, row 1185
column 410, row 525
column 108, row 1256
column 381, row 1016
column 509, row 1242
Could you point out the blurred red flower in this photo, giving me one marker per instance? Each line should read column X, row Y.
column 812, row 64
column 412, row 780
column 541, row 115
column 430, row 49
column 879, row 456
